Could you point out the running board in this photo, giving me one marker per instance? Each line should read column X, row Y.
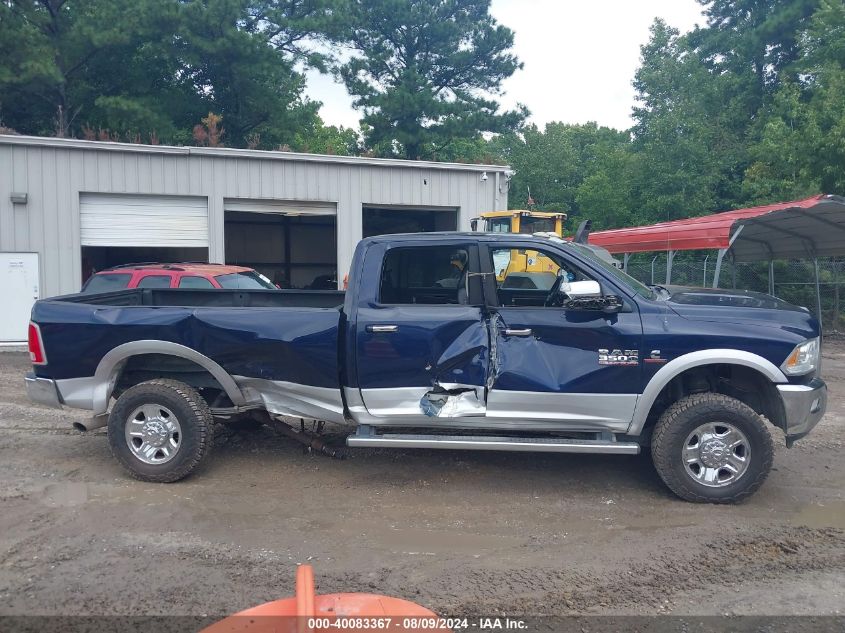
column 488, row 443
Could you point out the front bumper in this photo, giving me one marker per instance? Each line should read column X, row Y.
column 42, row 391
column 804, row 406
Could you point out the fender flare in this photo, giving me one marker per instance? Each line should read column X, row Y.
column 106, row 373
column 697, row 359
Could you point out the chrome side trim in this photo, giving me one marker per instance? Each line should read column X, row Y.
column 696, row 359
column 400, row 407
column 106, row 373
column 42, row 391
column 293, row 399
column 609, row 411
column 402, row 401
column 486, row 443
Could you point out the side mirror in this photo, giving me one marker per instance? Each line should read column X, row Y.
column 473, row 223
column 581, row 289
column 606, row 304
column 612, row 304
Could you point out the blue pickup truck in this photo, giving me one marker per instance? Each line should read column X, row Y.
column 433, row 345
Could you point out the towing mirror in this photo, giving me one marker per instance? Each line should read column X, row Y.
column 580, row 289
column 608, row 304
column 612, row 304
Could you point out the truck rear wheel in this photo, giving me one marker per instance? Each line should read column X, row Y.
column 711, row 448
column 160, row 430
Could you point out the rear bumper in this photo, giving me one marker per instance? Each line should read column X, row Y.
column 42, row 391
column 804, row 406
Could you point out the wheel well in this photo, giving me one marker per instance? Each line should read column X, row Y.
column 142, row 367
column 737, row 381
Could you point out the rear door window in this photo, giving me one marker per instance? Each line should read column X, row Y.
column 195, row 282
column 107, row 282
column 431, row 275
column 246, row 280
column 154, row 281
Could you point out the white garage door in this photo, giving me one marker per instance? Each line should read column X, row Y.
column 285, row 207
column 139, row 220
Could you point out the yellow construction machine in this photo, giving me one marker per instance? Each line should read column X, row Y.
column 528, row 223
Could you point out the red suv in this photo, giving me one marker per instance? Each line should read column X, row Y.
column 194, row 276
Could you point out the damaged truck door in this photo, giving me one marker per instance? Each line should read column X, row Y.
column 551, row 364
column 422, row 348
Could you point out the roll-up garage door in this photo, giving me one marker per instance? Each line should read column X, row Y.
column 143, row 220
column 284, row 207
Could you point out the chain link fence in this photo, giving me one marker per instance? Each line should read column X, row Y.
column 795, row 280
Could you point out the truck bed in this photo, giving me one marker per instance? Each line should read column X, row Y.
column 275, row 335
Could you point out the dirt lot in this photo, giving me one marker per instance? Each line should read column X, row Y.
column 459, row 532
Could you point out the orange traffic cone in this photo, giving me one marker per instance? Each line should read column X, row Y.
column 308, row 612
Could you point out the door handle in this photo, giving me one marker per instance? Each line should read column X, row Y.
column 382, row 328
column 524, row 332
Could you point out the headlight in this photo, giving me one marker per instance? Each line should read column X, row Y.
column 803, row 359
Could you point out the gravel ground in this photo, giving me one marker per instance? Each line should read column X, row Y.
column 458, row 532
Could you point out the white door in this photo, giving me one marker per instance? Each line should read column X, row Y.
column 19, row 289
column 143, row 220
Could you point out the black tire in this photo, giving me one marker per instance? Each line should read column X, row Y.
column 685, row 417
column 195, row 422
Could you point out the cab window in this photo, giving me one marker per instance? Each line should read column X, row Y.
column 431, row 275
column 499, row 225
column 527, row 277
column 529, row 225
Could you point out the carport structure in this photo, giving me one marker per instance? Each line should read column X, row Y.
column 800, row 229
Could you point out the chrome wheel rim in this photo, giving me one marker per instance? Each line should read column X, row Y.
column 153, row 434
column 716, row 454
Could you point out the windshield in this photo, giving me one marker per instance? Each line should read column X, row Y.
column 247, row 280
column 618, row 274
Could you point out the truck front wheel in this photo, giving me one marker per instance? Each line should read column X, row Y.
column 160, row 430
column 711, row 448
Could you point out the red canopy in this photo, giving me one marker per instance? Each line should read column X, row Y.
column 709, row 231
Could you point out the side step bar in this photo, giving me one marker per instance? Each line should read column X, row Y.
column 491, row 443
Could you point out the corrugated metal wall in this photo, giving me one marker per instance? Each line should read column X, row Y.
column 53, row 172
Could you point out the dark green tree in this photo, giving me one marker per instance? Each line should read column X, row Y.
column 49, row 48
column 567, row 168
column 423, row 73
column 756, row 40
column 800, row 149
column 243, row 69
column 690, row 131
column 136, row 69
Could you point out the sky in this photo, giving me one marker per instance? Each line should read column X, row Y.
column 580, row 57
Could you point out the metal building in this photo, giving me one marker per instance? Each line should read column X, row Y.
column 70, row 207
